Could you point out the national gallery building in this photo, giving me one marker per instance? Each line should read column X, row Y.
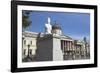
column 53, row 45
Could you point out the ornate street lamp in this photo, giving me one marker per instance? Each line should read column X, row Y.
column 23, row 41
column 28, row 58
column 28, row 50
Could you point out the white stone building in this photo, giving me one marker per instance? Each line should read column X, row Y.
column 52, row 45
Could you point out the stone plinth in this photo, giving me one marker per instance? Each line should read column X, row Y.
column 49, row 48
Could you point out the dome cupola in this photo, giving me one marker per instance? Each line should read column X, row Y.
column 56, row 26
column 56, row 29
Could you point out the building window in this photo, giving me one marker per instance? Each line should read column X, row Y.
column 24, row 51
column 30, row 51
column 31, row 42
column 24, row 42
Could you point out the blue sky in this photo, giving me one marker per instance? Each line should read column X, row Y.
column 75, row 25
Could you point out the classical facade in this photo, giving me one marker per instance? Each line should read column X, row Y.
column 53, row 45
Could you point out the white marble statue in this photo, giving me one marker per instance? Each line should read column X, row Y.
column 48, row 27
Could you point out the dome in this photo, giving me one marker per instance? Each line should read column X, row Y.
column 56, row 26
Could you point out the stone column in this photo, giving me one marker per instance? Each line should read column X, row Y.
column 70, row 49
column 70, row 46
column 73, row 46
column 67, row 46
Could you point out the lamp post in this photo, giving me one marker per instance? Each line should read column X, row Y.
column 28, row 59
column 23, row 55
column 28, row 50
